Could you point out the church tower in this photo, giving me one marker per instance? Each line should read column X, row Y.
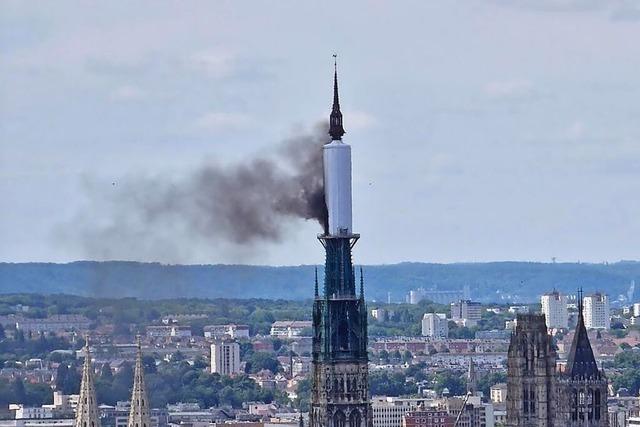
column 87, row 414
column 582, row 387
column 340, row 390
column 531, row 365
column 139, row 414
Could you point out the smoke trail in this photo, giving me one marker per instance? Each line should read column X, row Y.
column 240, row 204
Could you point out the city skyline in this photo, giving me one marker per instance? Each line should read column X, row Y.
column 495, row 131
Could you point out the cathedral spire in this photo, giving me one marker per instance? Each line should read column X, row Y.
column 581, row 363
column 471, row 378
column 316, row 283
column 336, row 130
column 87, row 414
column 139, row 413
column 361, row 284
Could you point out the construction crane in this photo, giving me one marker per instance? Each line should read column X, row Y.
column 464, row 404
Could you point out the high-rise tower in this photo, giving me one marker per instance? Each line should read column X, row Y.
column 87, row 414
column 139, row 415
column 340, row 391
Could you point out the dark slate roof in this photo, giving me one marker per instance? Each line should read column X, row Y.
column 581, row 363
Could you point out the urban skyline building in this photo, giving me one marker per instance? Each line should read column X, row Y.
column 435, row 325
column 466, row 313
column 339, row 390
column 225, row 357
column 596, row 311
column 554, row 308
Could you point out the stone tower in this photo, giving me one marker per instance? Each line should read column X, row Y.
column 340, row 390
column 87, row 414
column 139, row 415
column 531, row 368
column 582, row 387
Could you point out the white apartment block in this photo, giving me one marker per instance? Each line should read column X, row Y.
column 228, row 331
column 435, row 325
column 390, row 411
column 498, row 393
column 554, row 308
column 596, row 311
column 225, row 357
column 636, row 309
column 466, row 313
column 289, row 328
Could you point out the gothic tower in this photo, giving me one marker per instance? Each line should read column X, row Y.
column 340, row 391
column 582, row 387
column 139, row 414
column 87, row 414
column 531, row 365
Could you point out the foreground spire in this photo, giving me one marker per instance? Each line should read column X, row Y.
column 335, row 119
column 139, row 414
column 581, row 362
column 87, row 414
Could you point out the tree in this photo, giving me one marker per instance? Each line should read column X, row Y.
column 451, row 381
column 61, row 375
column 18, row 392
column 303, row 393
column 105, row 372
column 262, row 360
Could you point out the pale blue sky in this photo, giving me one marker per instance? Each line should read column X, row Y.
column 481, row 130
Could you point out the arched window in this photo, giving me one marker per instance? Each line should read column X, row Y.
column 596, row 409
column 354, row 418
column 339, row 420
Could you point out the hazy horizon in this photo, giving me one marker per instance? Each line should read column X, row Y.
column 494, row 131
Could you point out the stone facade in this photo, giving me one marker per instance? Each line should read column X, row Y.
column 531, row 369
column 540, row 395
column 87, row 414
column 339, row 369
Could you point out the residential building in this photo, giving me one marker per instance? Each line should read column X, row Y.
column 596, row 311
column 56, row 324
column 475, row 413
column 390, row 411
column 636, row 309
column 290, row 328
column 226, row 331
column 225, row 357
column 428, row 417
column 435, row 325
column 554, row 308
column 466, row 312
column 498, row 393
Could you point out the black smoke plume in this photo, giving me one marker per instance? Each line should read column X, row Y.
column 240, row 204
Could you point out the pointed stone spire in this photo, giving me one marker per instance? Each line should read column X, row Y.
column 139, row 416
column 335, row 119
column 361, row 284
column 471, row 378
column 87, row 414
column 581, row 362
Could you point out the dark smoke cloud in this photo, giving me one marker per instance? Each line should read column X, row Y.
column 240, row 204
